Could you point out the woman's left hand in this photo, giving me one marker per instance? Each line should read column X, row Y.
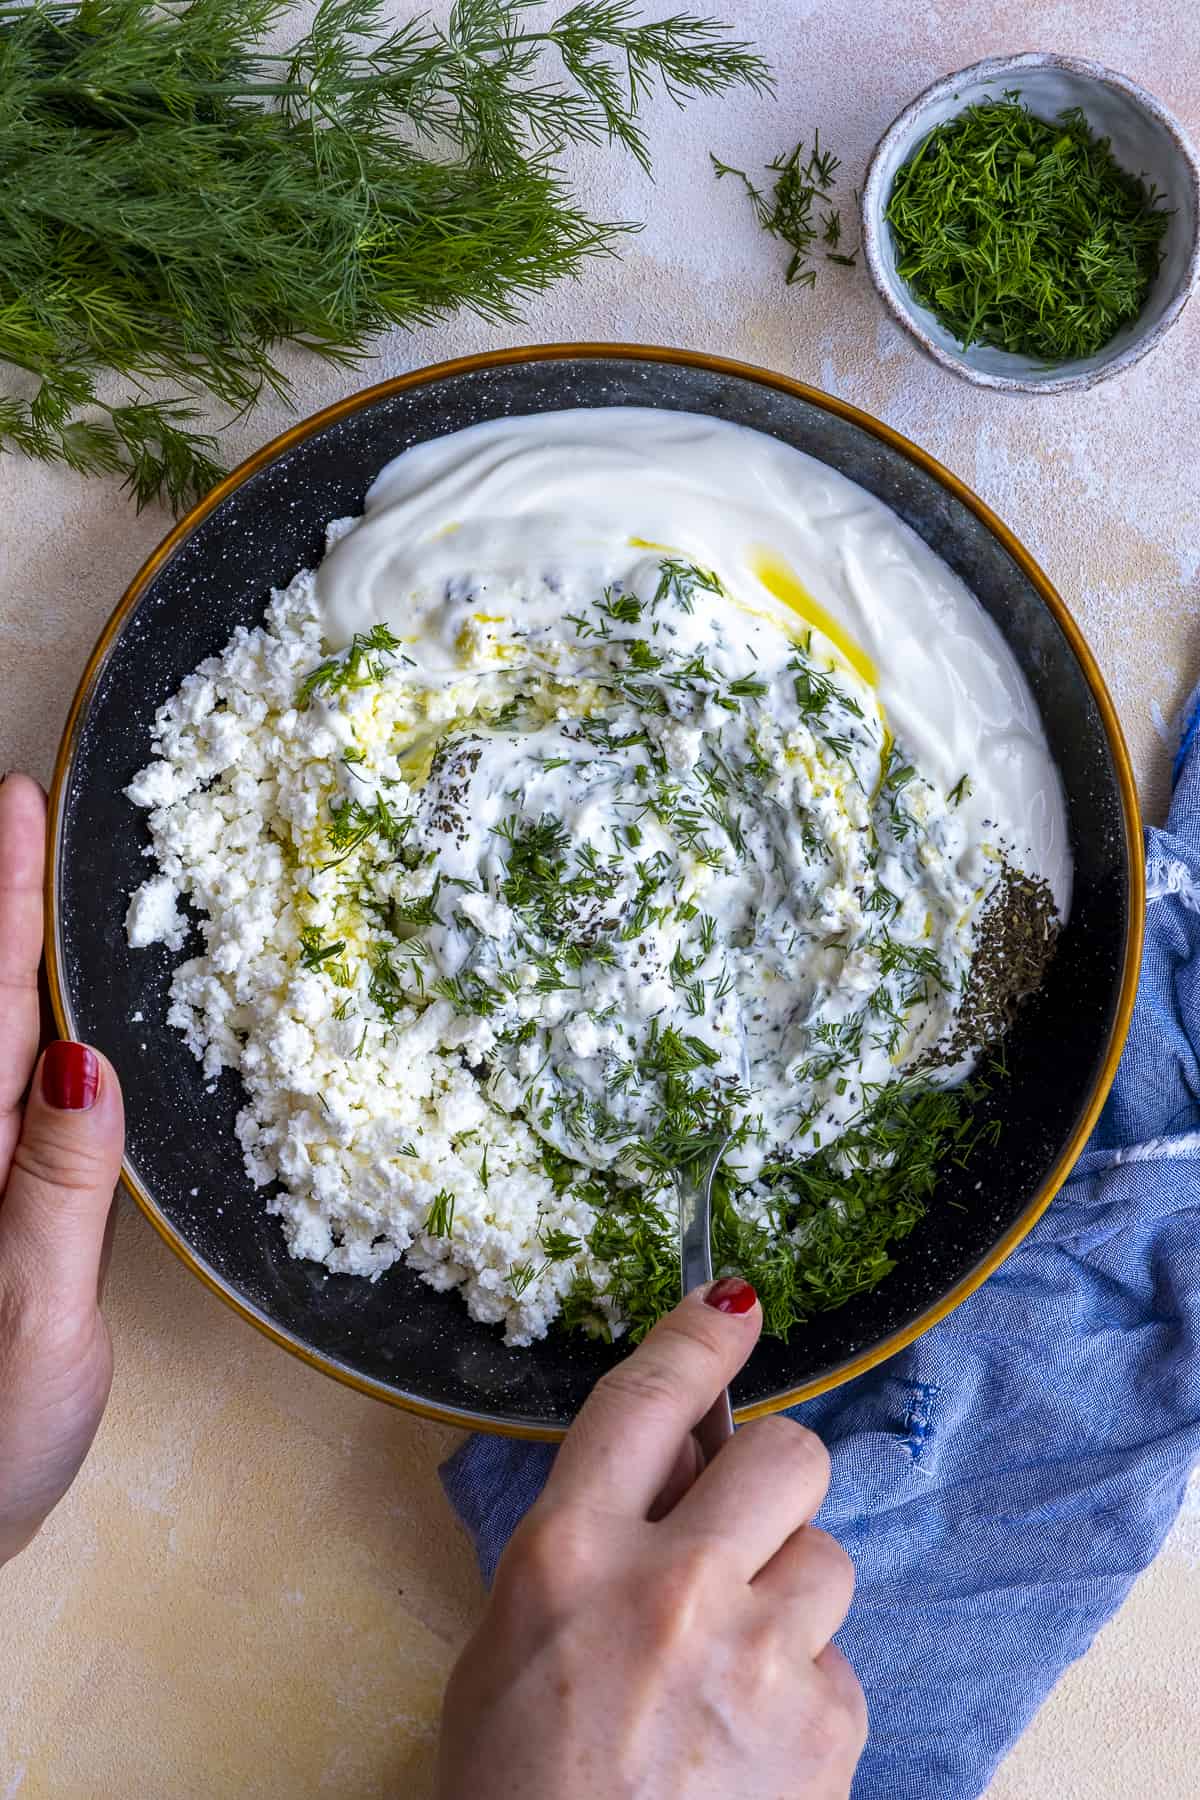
column 61, row 1133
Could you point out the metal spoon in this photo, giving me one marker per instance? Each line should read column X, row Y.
column 695, row 1256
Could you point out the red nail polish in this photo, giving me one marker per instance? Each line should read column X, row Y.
column 731, row 1295
column 70, row 1077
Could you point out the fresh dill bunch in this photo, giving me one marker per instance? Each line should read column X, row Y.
column 789, row 212
column 1024, row 234
column 176, row 199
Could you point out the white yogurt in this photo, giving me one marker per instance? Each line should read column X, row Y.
column 570, row 490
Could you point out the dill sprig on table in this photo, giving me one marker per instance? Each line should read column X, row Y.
column 1025, row 235
column 802, row 184
column 176, row 198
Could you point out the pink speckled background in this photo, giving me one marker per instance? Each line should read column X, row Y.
column 256, row 1589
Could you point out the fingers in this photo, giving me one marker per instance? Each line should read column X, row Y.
column 64, row 1169
column 106, row 1250
column 811, row 1575
column 768, row 1481
column 847, row 1693
column 22, row 856
column 688, row 1465
column 622, row 1448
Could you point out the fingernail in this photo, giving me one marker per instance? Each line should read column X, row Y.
column 731, row 1295
column 70, row 1077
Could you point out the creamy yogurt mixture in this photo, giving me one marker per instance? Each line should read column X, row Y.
column 620, row 780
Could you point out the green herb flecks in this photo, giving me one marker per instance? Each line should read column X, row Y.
column 816, row 693
column 792, row 211
column 469, row 993
column 521, row 1276
column 352, row 823
column 637, row 1239
column 316, row 954
column 1025, row 234
column 839, row 1213
column 559, row 1246
column 439, row 1221
column 832, row 1220
column 362, row 665
column 178, row 196
column 392, row 980
column 678, row 582
column 895, row 775
column 558, row 898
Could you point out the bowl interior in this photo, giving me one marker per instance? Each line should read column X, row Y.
column 1145, row 142
column 412, row 1343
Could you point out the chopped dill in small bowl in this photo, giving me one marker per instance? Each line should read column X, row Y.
column 1034, row 222
column 1025, row 234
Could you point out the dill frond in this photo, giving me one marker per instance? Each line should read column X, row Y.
column 176, row 200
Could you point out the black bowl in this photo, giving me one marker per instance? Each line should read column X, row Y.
column 398, row 1338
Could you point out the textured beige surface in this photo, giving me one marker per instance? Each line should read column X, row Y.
column 255, row 1589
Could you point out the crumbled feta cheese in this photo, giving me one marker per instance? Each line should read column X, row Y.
column 487, row 915
column 153, row 916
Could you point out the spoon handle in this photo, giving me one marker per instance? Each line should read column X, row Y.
column 695, row 1256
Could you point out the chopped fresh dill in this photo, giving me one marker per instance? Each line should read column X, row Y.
column 559, row 1246
column 747, row 687
column 788, row 212
column 678, row 581
column 881, row 899
column 815, row 693
column 420, row 911
column 641, row 657
column 328, row 958
column 351, row 824
column 439, row 1221
column 362, row 665
column 468, row 992
column 313, row 952
column 622, row 609
column 1025, row 233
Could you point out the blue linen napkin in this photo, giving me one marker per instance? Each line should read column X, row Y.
column 1001, row 1483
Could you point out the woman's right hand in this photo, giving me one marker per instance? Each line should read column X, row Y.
column 60, row 1155
column 658, row 1630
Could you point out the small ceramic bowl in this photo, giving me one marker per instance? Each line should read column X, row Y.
column 1146, row 140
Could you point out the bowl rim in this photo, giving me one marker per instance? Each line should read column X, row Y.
column 874, row 224
column 467, row 1418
